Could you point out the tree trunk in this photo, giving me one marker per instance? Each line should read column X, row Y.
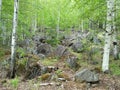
column 108, row 34
column 13, row 43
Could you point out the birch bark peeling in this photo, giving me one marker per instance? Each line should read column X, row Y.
column 13, row 43
column 108, row 34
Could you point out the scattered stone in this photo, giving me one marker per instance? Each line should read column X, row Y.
column 86, row 76
column 94, row 63
column 72, row 62
column 67, row 41
column 42, row 56
column 3, row 74
column 61, row 51
column 33, row 71
column 44, row 69
column 46, row 84
column 39, row 39
column 44, row 49
column 48, row 69
column 61, row 79
column 77, row 47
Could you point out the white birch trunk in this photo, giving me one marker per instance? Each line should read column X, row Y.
column 13, row 43
column 108, row 34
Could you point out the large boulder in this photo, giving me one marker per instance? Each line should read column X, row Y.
column 37, row 39
column 61, row 51
column 77, row 47
column 68, row 40
column 86, row 76
column 44, row 49
column 4, row 73
column 24, row 43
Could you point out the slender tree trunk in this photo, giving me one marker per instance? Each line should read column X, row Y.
column 13, row 43
column 108, row 34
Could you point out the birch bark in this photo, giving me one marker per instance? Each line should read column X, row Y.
column 13, row 43
column 108, row 34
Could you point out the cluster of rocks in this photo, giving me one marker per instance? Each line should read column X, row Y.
column 86, row 75
column 42, row 49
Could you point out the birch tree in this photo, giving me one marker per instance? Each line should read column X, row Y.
column 13, row 43
column 108, row 34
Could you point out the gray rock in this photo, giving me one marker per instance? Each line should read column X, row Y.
column 61, row 51
column 86, row 76
column 68, row 40
column 77, row 47
column 3, row 74
column 48, row 69
column 45, row 49
column 72, row 62
column 42, row 56
column 44, row 69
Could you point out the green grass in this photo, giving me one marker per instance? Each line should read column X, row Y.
column 49, row 61
column 115, row 68
column 14, row 82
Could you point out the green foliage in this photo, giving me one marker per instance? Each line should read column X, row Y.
column 115, row 68
column 53, row 40
column 21, row 52
column 49, row 61
column 58, row 71
column 14, row 82
column 22, row 62
column 2, row 53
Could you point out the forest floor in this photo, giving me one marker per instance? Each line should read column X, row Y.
column 107, row 81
